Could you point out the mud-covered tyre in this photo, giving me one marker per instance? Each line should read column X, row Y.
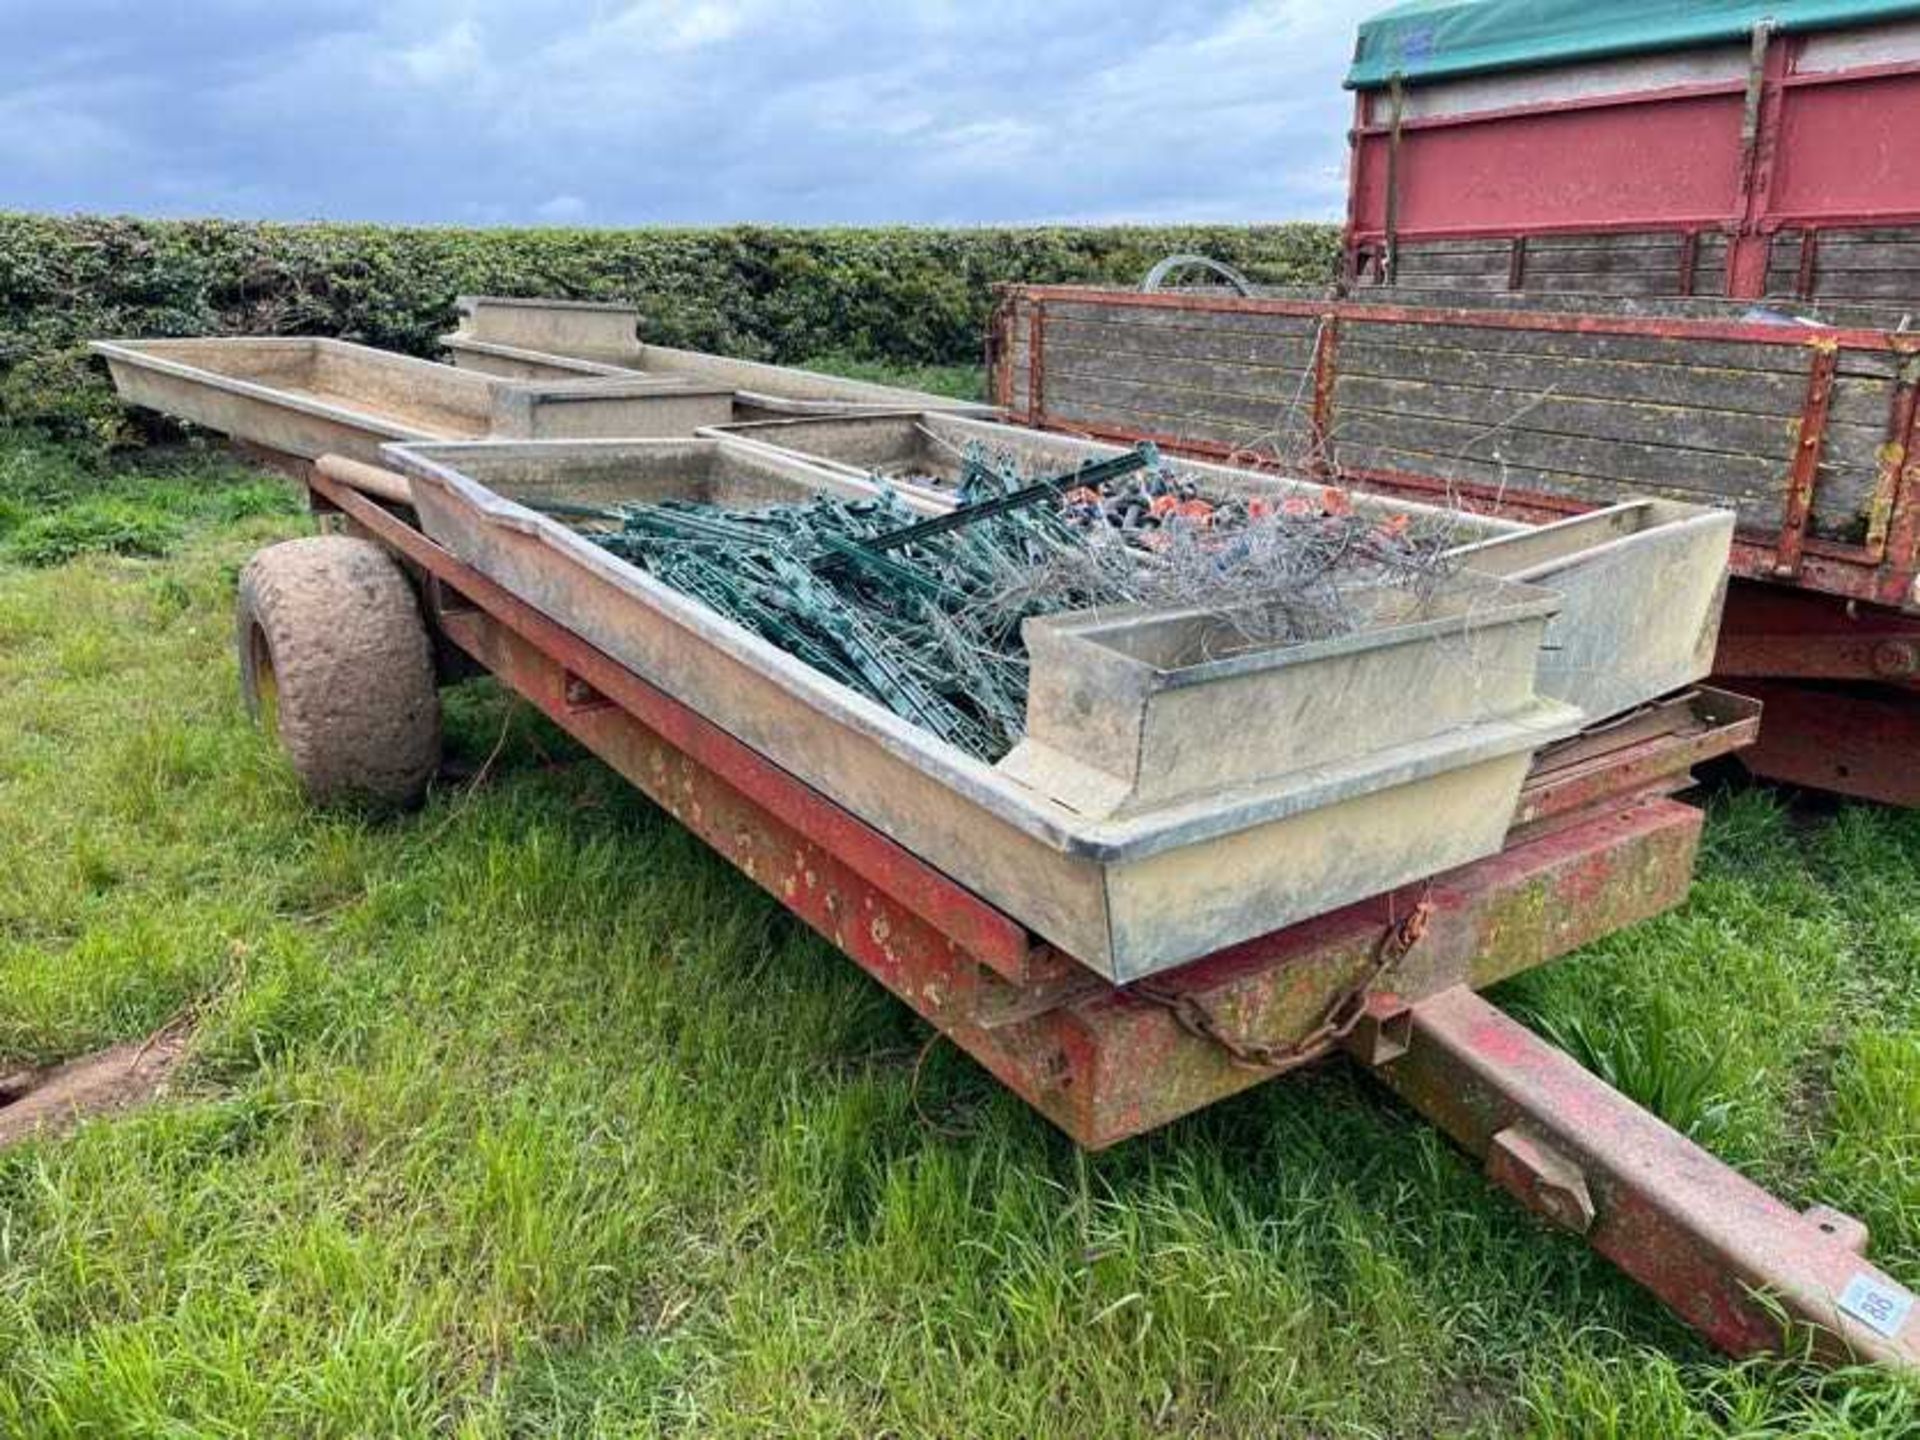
column 337, row 665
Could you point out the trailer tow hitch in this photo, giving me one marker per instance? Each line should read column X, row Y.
column 1742, row 1267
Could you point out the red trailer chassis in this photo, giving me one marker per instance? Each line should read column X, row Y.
column 1598, row 844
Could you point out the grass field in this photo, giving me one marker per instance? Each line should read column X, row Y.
column 524, row 1115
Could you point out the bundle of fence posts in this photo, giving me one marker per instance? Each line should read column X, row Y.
column 924, row 616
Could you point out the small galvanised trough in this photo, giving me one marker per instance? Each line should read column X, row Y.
column 1208, row 863
column 310, row 397
column 509, row 336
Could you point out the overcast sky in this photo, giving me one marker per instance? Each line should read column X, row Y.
column 627, row 112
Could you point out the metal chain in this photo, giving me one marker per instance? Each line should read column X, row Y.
column 1341, row 1016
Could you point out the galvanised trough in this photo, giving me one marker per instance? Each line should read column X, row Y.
column 511, row 336
column 1641, row 583
column 1431, row 708
column 309, row 397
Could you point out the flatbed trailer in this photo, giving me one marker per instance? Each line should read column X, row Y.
column 1598, row 842
column 1805, row 431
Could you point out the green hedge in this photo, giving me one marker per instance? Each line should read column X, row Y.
column 903, row 296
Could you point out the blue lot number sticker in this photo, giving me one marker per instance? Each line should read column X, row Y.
column 1879, row 1304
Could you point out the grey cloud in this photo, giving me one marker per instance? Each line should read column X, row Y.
column 652, row 111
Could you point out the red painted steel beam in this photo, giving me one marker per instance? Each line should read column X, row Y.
column 1727, row 1257
column 1852, row 739
column 1784, row 632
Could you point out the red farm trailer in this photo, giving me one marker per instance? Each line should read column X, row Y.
column 1594, row 251
column 452, row 552
column 1642, row 148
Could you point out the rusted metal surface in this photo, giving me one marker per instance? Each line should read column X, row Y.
column 1789, row 633
column 1893, row 458
column 1854, row 739
column 1036, row 360
column 1651, row 751
column 1136, row 1065
column 1810, row 436
column 1326, row 347
column 1727, row 1257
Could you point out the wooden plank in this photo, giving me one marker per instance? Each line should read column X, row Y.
column 1286, row 350
column 1163, row 398
column 1170, row 317
column 1871, row 235
column 1588, row 260
column 1678, row 427
column 1756, row 514
column 1665, row 282
column 1790, row 354
column 1491, row 281
column 1285, row 443
column 1226, row 377
column 1893, row 285
column 1838, row 252
column 1751, row 478
column 1463, row 263
column 1619, row 242
column 1472, row 245
column 1573, row 344
column 1754, row 392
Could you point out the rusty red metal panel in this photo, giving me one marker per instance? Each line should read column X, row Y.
column 1785, row 631
column 1036, row 359
column 1651, row 751
column 999, row 356
column 1692, row 1230
column 1846, row 147
column 1137, row 1066
column 1849, row 738
column 1821, row 148
column 1809, row 441
column 1326, row 348
column 1665, row 163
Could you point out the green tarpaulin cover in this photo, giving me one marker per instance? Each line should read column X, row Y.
column 1427, row 39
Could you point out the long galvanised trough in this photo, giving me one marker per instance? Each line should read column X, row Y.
column 1173, row 862
column 1641, row 583
column 511, row 336
column 310, row 397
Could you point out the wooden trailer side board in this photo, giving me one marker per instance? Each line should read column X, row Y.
column 1801, row 432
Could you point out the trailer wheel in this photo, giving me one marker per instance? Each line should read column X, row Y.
column 336, row 664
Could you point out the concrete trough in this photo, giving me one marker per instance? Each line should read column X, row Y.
column 1209, row 854
column 310, row 397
